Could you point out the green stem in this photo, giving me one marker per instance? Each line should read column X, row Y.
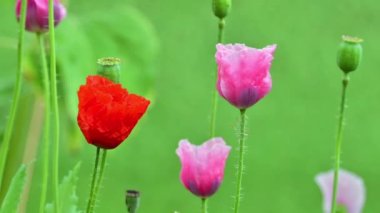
column 16, row 93
column 45, row 154
column 53, row 80
column 94, row 174
column 215, row 95
column 241, row 161
column 98, row 182
column 204, row 205
column 221, row 25
column 339, row 140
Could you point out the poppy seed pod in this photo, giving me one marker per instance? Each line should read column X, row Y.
column 349, row 53
column 132, row 199
column 221, row 8
column 109, row 67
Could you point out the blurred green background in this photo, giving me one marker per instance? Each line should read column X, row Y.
column 167, row 48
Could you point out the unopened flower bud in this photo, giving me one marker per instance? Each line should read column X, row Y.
column 202, row 169
column 37, row 14
column 109, row 67
column 132, row 200
column 349, row 53
column 221, row 8
column 243, row 73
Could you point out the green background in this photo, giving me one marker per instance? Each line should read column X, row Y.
column 168, row 51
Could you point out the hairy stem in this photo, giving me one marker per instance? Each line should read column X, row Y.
column 16, row 93
column 98, row 182
column 204, row 205
column 54, row 95
column 241, row 161
column 93, row 181
column 339, row 140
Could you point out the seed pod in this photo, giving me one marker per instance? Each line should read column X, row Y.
column 132, row 199
column 221, row 8
column 349, row 53
column 109, row 67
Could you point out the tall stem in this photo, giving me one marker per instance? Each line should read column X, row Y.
column 45, row 154
column 16, row 93
column 339, row 140
column 98, row 182
column 53, row 80
column 93, row 181
column 204, row 205
column 214, row 95
column 241, row 161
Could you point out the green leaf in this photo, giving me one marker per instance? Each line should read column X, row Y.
column 13, row 196
column 67, row 193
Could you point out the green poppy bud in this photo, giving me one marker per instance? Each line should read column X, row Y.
column 221, row 8
column 349, row 53
column 109, row 67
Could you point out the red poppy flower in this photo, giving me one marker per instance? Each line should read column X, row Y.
column 107, row 112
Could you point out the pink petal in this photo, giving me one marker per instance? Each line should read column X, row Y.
column 351, row 190
column 243, row 73
column 203, row 166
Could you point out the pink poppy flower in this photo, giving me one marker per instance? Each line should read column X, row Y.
column 351, row 191
column 243, row 73
column 203, row 166
column 37, row 15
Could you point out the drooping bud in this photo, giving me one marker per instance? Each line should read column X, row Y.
column 221, row 8
column 349, row 53
column 37, row 14
column 109, row 67
column 132, row 199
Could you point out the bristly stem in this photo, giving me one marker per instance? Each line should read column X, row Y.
column 54, row 95
column 46, row 143
column 339, row 140
column 204, row 205
column 93, row 181
column 241, row 161
column 214, row 94
column 16, row 93
column 98, row 182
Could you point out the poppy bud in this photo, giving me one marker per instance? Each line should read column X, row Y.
column 132, row 200
column 243, row 73
column 37, row 14
column 221, row 8
column 349, row 53
column 109, row 67
column 203, row 166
